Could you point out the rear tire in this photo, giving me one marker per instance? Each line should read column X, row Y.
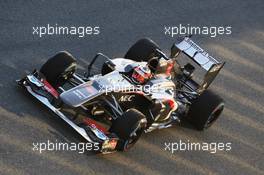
column 128, row 128
column 142, row 50
column 205, row 110
column 58, row 69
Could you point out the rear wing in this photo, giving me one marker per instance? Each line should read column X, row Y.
column 201, row 57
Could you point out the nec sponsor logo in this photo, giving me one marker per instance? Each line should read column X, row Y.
column 126, row 98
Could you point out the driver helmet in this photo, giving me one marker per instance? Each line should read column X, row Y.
column 141, row 74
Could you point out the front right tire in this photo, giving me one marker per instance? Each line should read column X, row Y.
column 128, row 127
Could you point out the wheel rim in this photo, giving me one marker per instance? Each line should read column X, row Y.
column 134, row 136
column 214, row 115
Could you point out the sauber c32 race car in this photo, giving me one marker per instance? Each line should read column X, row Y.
column 144, row 91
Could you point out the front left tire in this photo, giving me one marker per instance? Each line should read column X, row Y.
column 59, row 68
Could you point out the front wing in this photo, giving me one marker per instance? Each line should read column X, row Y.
column 38, row 88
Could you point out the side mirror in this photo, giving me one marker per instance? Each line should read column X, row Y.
column 175, row 51
column 161, row 54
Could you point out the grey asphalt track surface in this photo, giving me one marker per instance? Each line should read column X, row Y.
column 23, row 120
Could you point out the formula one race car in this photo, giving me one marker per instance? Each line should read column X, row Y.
column 144, row 91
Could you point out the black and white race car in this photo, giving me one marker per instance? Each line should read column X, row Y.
column 144, row 91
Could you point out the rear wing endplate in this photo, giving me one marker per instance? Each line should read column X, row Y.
column 210, row 76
